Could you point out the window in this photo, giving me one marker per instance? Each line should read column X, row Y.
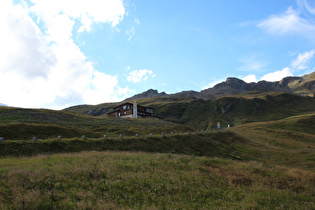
column 124, row 107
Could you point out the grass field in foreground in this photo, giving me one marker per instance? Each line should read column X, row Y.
column 111, row 180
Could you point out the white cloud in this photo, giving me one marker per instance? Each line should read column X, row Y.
column 23, row 47
column 278, row 75
column 86, row 23
column 43, row 67
column 102, row 86
column 302, row 60
column 289, row 22
column 139, row 75
column 86, row 11
column 250, row 78
column 125, row 92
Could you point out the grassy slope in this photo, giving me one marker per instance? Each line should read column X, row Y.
column 289, row 142
column 16, row 123
column 94, row 110
column 219, row 144
column 269, row 142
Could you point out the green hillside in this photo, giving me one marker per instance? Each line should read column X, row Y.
column 17, row 123
column 267, row 141
column 233, row 110
column 93, row 110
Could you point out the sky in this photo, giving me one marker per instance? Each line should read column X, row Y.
column 60, row 53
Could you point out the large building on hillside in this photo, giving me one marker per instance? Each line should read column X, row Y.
column 129, row 110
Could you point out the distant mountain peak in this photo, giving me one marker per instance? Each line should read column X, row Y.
column 233, row 79
column 147, row 94
column 151, row 91
column 232, row 82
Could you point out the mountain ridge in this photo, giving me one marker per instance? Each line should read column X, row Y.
column 304, row 85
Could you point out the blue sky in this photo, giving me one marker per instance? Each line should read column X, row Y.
column 59, row 53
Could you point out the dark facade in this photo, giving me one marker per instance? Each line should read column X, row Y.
column 126, row 110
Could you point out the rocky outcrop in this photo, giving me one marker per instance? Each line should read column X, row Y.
column 290, row 81
column 226, row 108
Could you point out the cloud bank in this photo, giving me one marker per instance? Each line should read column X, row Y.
column 41, row 66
